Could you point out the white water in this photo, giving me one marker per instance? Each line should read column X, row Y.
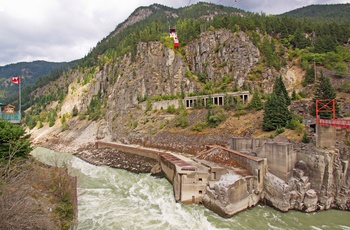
column 116, row 199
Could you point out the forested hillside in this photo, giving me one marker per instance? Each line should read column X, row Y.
column 113, row 78
column 332, row 13
column 310, row 38
column 33, row 74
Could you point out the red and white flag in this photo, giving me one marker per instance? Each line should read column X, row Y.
column 16, row 80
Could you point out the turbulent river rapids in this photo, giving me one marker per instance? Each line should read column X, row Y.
column 111, row 198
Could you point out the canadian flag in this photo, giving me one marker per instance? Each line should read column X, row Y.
column 16, row 80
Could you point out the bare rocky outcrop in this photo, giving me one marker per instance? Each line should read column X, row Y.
column 321, row 181
column 230, row 195
column 219, row 53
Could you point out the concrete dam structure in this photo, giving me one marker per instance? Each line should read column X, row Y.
column 189, row 178
column 230, row 180
column 224, row 180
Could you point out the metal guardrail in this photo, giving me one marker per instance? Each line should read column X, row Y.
column 340, row 123
column 12, row 118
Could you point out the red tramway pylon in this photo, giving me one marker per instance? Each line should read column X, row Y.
column 325, row 106
column 328, row 106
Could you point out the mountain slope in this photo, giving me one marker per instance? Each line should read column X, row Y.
column 30, row 72
column 332, row 12
column 123, row 87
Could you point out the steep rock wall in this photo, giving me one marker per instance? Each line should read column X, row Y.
column 219, row 53
column 156, row 70
column 321, row 181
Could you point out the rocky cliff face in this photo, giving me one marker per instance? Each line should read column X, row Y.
column 321, row 181
column 158, row 70
column 222, row 53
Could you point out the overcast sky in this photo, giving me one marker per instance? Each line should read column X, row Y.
column 65, row 30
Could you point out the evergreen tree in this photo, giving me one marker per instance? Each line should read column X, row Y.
column 294, row 95
column 299, row 40
column 14, row 142
column 280, row 90
column 75, row 111
column 256, row 102
column 323, row 91
column 276, row 113
column 309, row 76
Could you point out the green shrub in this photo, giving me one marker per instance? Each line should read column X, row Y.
column 65, row 212
column 345, row 87
column 199, row 126
column 74, row 111
column 305, row 138
column 148, row 105
column 279, row 130
column 181, row 119
column 293, row 123
column 171, row 109
column 215, row 116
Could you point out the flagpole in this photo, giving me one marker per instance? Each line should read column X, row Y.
column 19, row 93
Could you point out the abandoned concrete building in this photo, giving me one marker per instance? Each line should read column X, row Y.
column 199, row 101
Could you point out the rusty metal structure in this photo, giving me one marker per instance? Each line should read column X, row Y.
column 328, row 106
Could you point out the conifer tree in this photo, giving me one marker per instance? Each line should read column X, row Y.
column 14, row 141
column 276, row 113
column 280, row 90
column 256, row 102
column 323, row 91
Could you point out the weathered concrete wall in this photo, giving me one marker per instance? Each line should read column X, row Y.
column 246, row 145
column 189, row 102
column 159, row 105
column 255, row 165
column 193, row 187
column 168, row 169
column 189, row 182
column 281, row 159
column 325, row 136
column 129, row 149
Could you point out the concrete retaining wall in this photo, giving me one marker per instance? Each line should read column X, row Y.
column 129, row 149
column 255, row 165
column 189, row 182
column 281, row 159
column 162, row 105
column 325, row 136
column 247, row 145
column 190, row 102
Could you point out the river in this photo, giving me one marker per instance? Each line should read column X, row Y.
column 116, row 199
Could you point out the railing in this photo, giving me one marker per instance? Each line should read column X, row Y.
column 340, row 123
column 13, row 117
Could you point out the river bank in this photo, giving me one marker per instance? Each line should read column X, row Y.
column 116, row 159
column 38, row 196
